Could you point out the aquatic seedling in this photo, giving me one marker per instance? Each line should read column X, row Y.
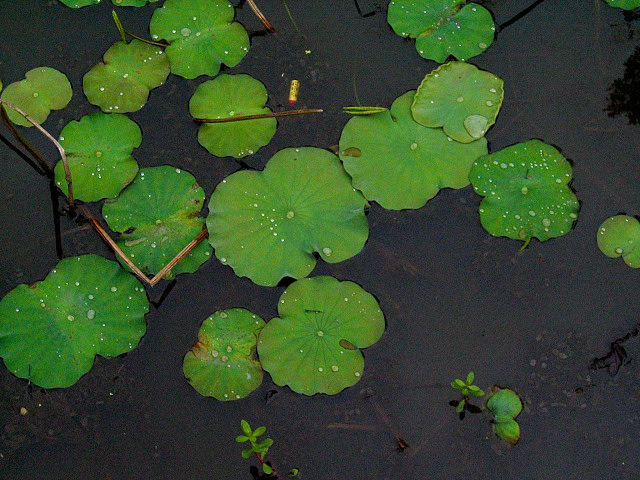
column 619, row 236
column 505, row 405
column 467, row 388
column 259, row 449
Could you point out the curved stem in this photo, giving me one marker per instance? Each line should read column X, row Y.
column 262, row 18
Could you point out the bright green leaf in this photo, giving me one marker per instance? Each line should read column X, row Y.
column 242, row 438
column 509, row 431
column 246, row 428
column 267, row 469
column 504, row 403
column 259, row 431
column 620, row 236
column 79, row 3
column 624, row 4
column 247, row 452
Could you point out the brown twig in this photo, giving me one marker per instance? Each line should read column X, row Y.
column 286, row 113
column 183, row 253
column 262, row 18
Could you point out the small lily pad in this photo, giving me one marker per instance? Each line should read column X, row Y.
column 624, row 4
column 619, row 236
column 505, row 405
column 223, row 364
column 79, row 3
column 302, row 348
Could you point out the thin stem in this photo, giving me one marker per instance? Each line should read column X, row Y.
column 286, row 7
column 123, row 32
column 183, row 253
column 46, row 169
column 151, row 42
column 261, row 115
column 259, row 14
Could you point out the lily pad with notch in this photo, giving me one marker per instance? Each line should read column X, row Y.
column 619, row 236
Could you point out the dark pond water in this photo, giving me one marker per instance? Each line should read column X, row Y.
column 455, row 298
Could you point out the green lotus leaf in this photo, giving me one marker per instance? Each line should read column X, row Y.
column 526, row 192
column 51, row 331
column 267, row 225
column 43, row 89
column 79, row 3
column 620, row 236
column 303, row 348
column 223, row 363
column 505, row 405
column 132, row 3
column 461, row 99
column 624, row 4
column 157, row 216
column 443, row 27
column 232, row 96
column 201, row 36
column 122, row 83
column 98, row 148
column 401, row 164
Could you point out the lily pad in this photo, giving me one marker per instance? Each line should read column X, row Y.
column 624, row 4
column 619, row 236
column 132, row 3
column 461, row 99
column 157, row 216
column 51, row 331
column 314, row 346
column 130, row 71
column 526, row 192
column 267, row 225
column 43, row 89
column 505, row 405
column 79, row 3
column 223, row 363
column 232, row 96
column 443, row 27
column 98, row 148
column 201, row 36
column 401, row 164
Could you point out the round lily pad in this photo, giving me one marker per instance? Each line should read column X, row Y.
column 79, row 3
column 130, row 71
column 229, row 96
column 314, row 345
column 526, row 192
column 223, row 363
column 43, row 89
column 201, row 36
column 399, row 163
column 461, row 99
column 98, row 148
column 267, row 225
column 624, row 4
column 51, row 331
column 157, row 216
column 619, row 236
column 505, row 405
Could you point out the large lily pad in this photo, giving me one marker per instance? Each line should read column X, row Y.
column 267, row 225
column 624, row 4
column 619, row 236
column 223, row 363
column 157, row 216
column 130, row 71
column 43, row 89
column 461, row 99
column 51, row 331
column 201, row 36
column 401, row 164
column 98, row 148
column 526, row 192
column 231, row 96
column 314, row 346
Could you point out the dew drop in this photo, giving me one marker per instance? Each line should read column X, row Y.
column 91, row 314
column 414, row 145
column 185, row 31
column 334, row 368
column 114, row 289
column 290, row 214
column 320, row 333
column 327, row 251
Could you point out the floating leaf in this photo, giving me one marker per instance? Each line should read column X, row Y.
column 267, row 225
column 132, row 3
column 157, row 216
column 201, row 36
column 400, row 163
column 79, row 3
column 624, row 4
column 302, row 348
column 526, row 192
column 620, row 236
column 505, row 405
column 50, row 332
column 122, row 83
column 43, row 89
column 460, row 98
column 223, row 364
column 98, row 148
column 232, row 96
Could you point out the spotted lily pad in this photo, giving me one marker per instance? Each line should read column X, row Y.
column 461, row 99
column 624, row 4
column 267, row 225
column 314, row 345
column 231, row 96
column 130, row 71
column 43, row 89
column 401, row 164
column 98, row 148
column 619, row 236
column 526, row 192
column 51, row 331
column 505, row 405
column 157, row 216
column 223, row 363
column 201, row 36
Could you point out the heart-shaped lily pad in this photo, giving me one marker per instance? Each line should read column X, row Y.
column 122, row 83
column 201, row 36
column 461, row 99
column 157, row 216
column 505, row 405
column 50, row 332
column 43, row 89
column 223, row 364
column 624, row 4
column 231, row 96
column 98, row 148
column 401, row 164
column 526, row 192
column 314, row 346
column 620, row 236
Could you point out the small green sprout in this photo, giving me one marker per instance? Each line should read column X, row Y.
column 467, row 388
column 258, row 448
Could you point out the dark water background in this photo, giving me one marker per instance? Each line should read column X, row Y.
column 455, row 298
